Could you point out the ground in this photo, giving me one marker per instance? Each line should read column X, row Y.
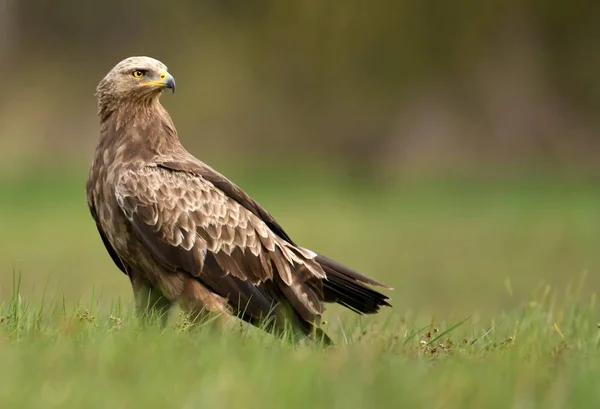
column 494, row 302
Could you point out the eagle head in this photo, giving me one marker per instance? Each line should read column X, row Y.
column 135, row 78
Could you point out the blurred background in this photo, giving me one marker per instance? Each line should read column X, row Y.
column 449, row 149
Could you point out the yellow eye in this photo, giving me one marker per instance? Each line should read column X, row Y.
column 138, row 74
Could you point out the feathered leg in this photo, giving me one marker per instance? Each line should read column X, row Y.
column 202, row 305
column 150, row 303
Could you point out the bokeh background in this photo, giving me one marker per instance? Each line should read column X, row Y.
column 450, row 149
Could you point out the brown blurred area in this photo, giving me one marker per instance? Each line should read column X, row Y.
column 400, row 85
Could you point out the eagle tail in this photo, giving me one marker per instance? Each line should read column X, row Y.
column 348, row 288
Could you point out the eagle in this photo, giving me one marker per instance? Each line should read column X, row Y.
column 184, row 234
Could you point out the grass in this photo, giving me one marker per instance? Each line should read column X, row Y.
column 540, row 355
column 494, row 303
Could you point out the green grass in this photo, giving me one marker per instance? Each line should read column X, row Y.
column 540, row 355
column 494, row 303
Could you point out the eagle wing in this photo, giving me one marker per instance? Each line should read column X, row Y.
column 343, row 284
column 189, row 225
column 188, row 163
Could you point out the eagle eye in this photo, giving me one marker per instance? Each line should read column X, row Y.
column 138, row 73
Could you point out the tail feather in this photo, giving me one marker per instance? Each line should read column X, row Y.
column 347, row 287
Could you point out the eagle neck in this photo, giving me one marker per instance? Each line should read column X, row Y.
column 143, row 129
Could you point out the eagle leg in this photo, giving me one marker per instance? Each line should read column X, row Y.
column 202, row 305
column 150, row 303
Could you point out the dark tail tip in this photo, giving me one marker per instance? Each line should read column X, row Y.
column 347, row 287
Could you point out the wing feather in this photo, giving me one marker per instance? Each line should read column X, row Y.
column 337, row 282
column 179, row 217
column 189, row 164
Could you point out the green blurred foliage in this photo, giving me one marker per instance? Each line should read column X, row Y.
column 397, row 84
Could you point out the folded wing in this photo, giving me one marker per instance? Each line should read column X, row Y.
column 189, row 225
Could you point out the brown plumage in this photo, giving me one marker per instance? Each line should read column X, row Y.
column 184, row 233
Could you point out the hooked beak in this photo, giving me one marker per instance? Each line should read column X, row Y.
column 166, row 81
